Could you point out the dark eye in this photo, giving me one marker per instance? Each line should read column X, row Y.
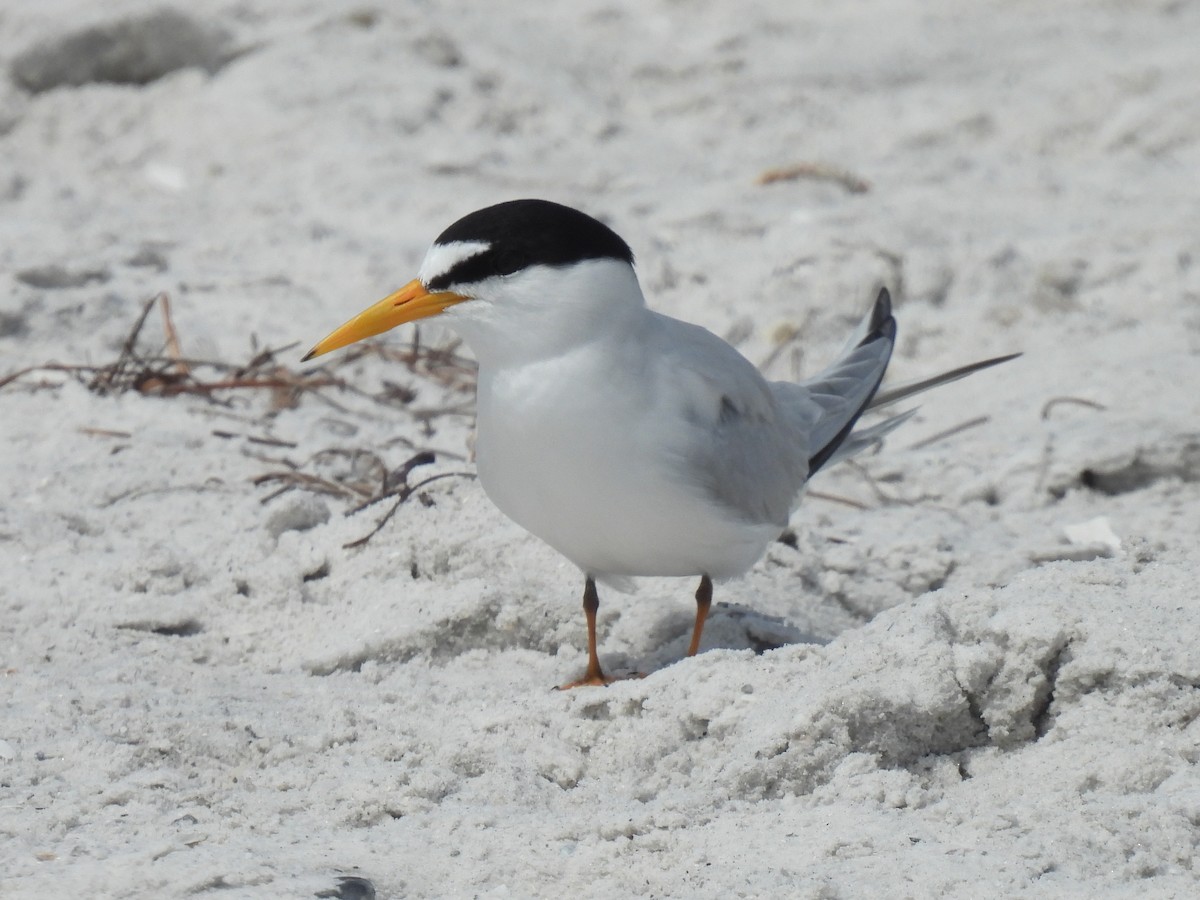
column 506, row 262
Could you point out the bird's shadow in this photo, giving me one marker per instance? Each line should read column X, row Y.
column 730, row 626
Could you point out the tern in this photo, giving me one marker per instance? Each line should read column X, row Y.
column 633, row 443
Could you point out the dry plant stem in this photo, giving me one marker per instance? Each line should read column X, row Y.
column 880, row 495
column 777, row 350
column 265, row 356
column 173, row 374
column 173, row 350
column 835, row 498
column 271, row 442
column 155, row 378
column 130, row 345
column 314, row 483
column 1043, row 469
column 401, row 495
column 106, row 376
column 292, row 477
column 792, row 339
column 816, row 172
column 48, row 367
column 400, row 475
column 1076, row 401
column 949, row 432
column 105, row 432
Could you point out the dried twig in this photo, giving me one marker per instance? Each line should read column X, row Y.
column 816, row 171
column 168, row 373
column 786, row 336
column 366, row 479
column 388, row 484
column 401, row 495
column 1076, row 401
column 880, row 494
column 357, row 482
column 835, row 498
column 173, row 374
column 949, row 432
column 164, row 303
column 313, row 483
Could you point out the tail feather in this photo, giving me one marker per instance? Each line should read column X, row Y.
column 858, row 441
column 900, row 392
column 830, row 403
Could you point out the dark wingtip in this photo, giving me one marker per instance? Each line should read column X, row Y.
column 883, row 305
column 882, row 327
column 882, row 324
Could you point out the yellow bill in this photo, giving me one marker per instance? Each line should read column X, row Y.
column 408, row 304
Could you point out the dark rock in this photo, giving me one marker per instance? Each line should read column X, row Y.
column 130, row 50
column 56, row 277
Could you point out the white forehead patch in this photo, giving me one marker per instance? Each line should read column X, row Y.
column 441, row 258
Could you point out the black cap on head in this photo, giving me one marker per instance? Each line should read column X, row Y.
column 523, row 233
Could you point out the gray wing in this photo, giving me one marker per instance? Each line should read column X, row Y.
column 734, row 442
column 750, row 445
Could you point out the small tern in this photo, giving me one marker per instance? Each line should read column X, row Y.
column 631, row 442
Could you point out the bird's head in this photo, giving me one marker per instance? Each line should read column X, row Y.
column 518, row 277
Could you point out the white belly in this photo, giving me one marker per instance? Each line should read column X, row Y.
column 597, row 475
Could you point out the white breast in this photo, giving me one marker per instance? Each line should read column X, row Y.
column 577, row 450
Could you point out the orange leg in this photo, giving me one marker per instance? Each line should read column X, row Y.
column 594, row 676
column 703, row 602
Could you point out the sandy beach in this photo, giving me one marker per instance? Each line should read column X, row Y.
column 263, row 635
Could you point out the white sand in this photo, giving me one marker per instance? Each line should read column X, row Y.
column 967, row 703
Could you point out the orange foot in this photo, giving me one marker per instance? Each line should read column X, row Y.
column 600, row 680
column 597, row 679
